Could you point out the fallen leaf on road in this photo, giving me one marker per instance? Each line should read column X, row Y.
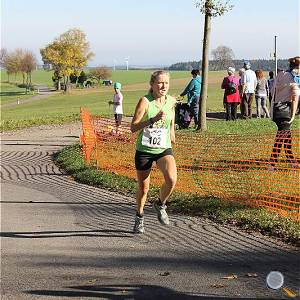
column 92, row 281
column 218, row 285
column 232, row 276
column 251, row 275
column 289, row 292
column 164, row 274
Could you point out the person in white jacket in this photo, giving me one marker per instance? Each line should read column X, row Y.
column 248, row 82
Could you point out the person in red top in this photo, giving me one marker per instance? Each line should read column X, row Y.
column 231, row 94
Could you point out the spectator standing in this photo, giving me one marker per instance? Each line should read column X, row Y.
column 241, row 72
column 261, row 94
column 231, row 98
column 270, row 85
column 286, row 91
column 249, row 83
column 193, row 90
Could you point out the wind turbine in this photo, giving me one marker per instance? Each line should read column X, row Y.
column 127, row 60
column 115, row 61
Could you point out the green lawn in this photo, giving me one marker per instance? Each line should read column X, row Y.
column 140, row 76
column 125, row 77
column 96, row 101
column 11, row 93
column 38, row 77
column 63, row 108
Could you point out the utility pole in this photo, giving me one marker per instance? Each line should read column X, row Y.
column 275, row 54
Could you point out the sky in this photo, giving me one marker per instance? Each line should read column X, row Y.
column 153, row 32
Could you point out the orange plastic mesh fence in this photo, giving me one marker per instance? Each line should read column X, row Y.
column 238, row 168
column 88, row 137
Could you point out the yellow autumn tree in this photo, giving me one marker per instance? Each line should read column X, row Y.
column 67, row 55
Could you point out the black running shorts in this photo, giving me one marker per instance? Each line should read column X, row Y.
column 144, row 161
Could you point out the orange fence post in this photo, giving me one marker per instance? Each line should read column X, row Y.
column 88, row 137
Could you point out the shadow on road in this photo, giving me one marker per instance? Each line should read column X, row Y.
column 55, row 234
column 130, row 292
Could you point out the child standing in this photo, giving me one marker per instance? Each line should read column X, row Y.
column 118, row 105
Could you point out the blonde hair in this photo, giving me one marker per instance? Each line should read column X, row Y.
column 259, row 74
column 155, row 75
column 241, row 71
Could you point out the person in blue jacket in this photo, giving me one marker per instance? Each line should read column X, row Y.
column 193, row 90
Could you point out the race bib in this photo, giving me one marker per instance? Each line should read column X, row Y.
column 154, row 137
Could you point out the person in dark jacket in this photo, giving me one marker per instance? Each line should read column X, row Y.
column 193, row 90
column 270, row 85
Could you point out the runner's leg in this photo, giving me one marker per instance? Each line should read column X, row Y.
column 167, row 166
column 143, row 178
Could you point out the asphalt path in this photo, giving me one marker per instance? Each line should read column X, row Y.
column 44, row 92
column 64, row 240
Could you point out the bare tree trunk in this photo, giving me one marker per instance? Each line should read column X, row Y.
column 58, row 84
column 23, row 78
column 67, row 85
column 27, row 83
column 205, row 57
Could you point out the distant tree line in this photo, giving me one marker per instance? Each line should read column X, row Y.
column 214, row 65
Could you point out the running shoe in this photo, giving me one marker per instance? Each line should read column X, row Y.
column 138, row 225
column 161, row 213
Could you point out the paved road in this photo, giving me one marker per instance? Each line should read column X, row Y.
column 44, row 92
column 65, row 240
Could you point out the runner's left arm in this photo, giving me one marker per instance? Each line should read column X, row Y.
column 172, row 128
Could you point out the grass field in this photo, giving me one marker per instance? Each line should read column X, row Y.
column 11, row 93
column 65, row 108
column 38, row 77
column 125, row 77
